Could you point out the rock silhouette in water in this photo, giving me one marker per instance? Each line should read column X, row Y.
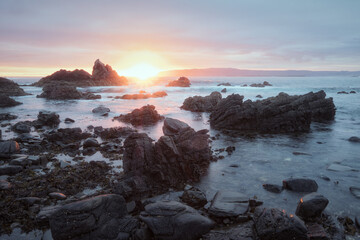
column 64, row 91
column 10, row 88
column 202, row 104
column 181, row 82
column 146, row 115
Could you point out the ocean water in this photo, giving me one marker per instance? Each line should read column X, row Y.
column 260, row 159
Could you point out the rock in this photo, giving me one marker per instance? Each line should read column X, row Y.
column 352, row 92
column 357, row 222
column 77, row 77
column 224, row 90
column 69, row 120
column 114, row 132
column 194, row 197
column 5, row 185
column 181, row 82
column 273, row 188
column 264, row 84
column 64, row 164
column 22, row 127
column 317, row 232
column 6, row 101
column 91, row 142
column 280, row 114
column 224, row 84
column 228, row 204
column 46, row 212
column 47, row 118
column 311, row 206
column 10, row 169
column 29, row 200
column 355, row 191
column 104, row 75
column 20, row 161
column 342, row 92
column 259, row 96
column 202, row 104
column 276, row 224
column 173, row 220
column 101, row 110
column 173, row 126
column 339, row 168
column 300, row 185
column 144, row 116
column 64, row 91
column 158, row 94
column 354, row 139
column 238, row 232
column 10, row 88
column 66, row 135
column 57, row 195
column 9, row 147
column 7, row 117
column 100, row 217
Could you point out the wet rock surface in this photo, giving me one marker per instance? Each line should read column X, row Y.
column 143, row 95
column 47, row 118
column 144, row 116
column 194, row 197
column 101, row 110
column 264, row 84
column 280, row 114
column 202, row 104
column 228, row 204
column 7, row 117
column 9, row 147
column 273, row 188
column 311, row 206
column 173, row 220
column 354, row 139
column 64, row 91
column 6, row 101
column 10, row 88
column 181, row 82
column 300, row 185
column 104, row 75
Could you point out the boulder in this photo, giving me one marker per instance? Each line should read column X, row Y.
column 228, row 204
column 100, row 217
column 9, row 147
column 143, row 95
column 104, row 75
column 259, row 96
column 64, row 91
column 22, row 127
column 10, row 88
column 276, row 224
column 194, row 197
column 264, row 84
column 355, row 191
column 352, row 92
column 101, row 110
column 227, row 84
column 69, row 120
column 354, row 139
column 47, row 118
column 146, row 115
column 238, row 232
column 91, row 142
column 5, row 185
column 114, row 132
column 202, row 104
column 311, row 205
column 300, row 185
column 342, row 92
column 66, row 135
column 280, row 114
column 175, row 221
column 181, row 82
column 7, row 117
column 224, row 90
column 273, row 188
column 78, row 77
column 174, row 127
column 10, row 169
column 6, row 101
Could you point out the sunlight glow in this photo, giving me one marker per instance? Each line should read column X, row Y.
column 141, row 71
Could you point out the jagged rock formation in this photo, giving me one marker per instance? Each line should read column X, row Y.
column 6, row 101
column 202, row 104
column 104, row 75
column 10, row 88
column 146, row 115
column 280, row 114
column 181, row 82
column 64, row 91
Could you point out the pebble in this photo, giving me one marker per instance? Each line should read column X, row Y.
column 57, row 195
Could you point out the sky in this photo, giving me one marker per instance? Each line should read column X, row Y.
column 40, row 37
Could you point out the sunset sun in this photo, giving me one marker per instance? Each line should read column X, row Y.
column 141, row 71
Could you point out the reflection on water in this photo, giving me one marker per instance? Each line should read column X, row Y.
column 259, row 159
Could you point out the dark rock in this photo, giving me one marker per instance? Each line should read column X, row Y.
column 69, row 120
column 311, row 205
column 114, row 132
column 10, row 88
column 352, row 92
column 276, row 224
column 20, row 161
column 174, row 127
column 29, row 200
column 238, row 232
column 300, row 185
column 355, row 191
column 264, row 84
column 317, row 232
column 9, row 147
column 224, row 84
column 181, row 82
column 342, row 92
column 66, row 135
column 259, row 96
column 101, row 110
column 57, row 195
column 158, row 94
column 273, row 188
column 7, row 117
column 104, row 75
column 146, row 115
column 10, row 169
column 100, row 217
column 354, row 139
column 279, row 114
column 91, row 142
column 228, row 204
column 301, row 153
column 46, row 118
column 230, row 149
column 46, row 212
column 224, row 90
column 6, row 101
column 90, row 96
column 202, row 104
column 5, row 185
column 64, row 91
column 173, row 220
column 244, row 85
column 22, row 127
column 77, row 77
column 194, row 197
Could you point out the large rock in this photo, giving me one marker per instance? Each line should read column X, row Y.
column 9, row 147
column 64, row 91
column 264, row 84
column 7, row 117
column 300, row 185
column 10, row 88
column 114, row 132
column 143, row 95
column 276, row 224
column 22, row 127
column 280, row 114
column 181, row 82
column 104, row 75
column 146, row 115
column 77, row 77
column 10, row 169
column 173, row 127
column 238, row 232
column 6, row 101
column 202, row 104
column 175, row 221
column 101, row 110
column 47, row 118
column 311, row 205
column 66, row 135
column 228, row 204
column 100, row 217
column 175, row 159
column 194, row 197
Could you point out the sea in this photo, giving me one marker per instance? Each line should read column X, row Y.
column 259, row 159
